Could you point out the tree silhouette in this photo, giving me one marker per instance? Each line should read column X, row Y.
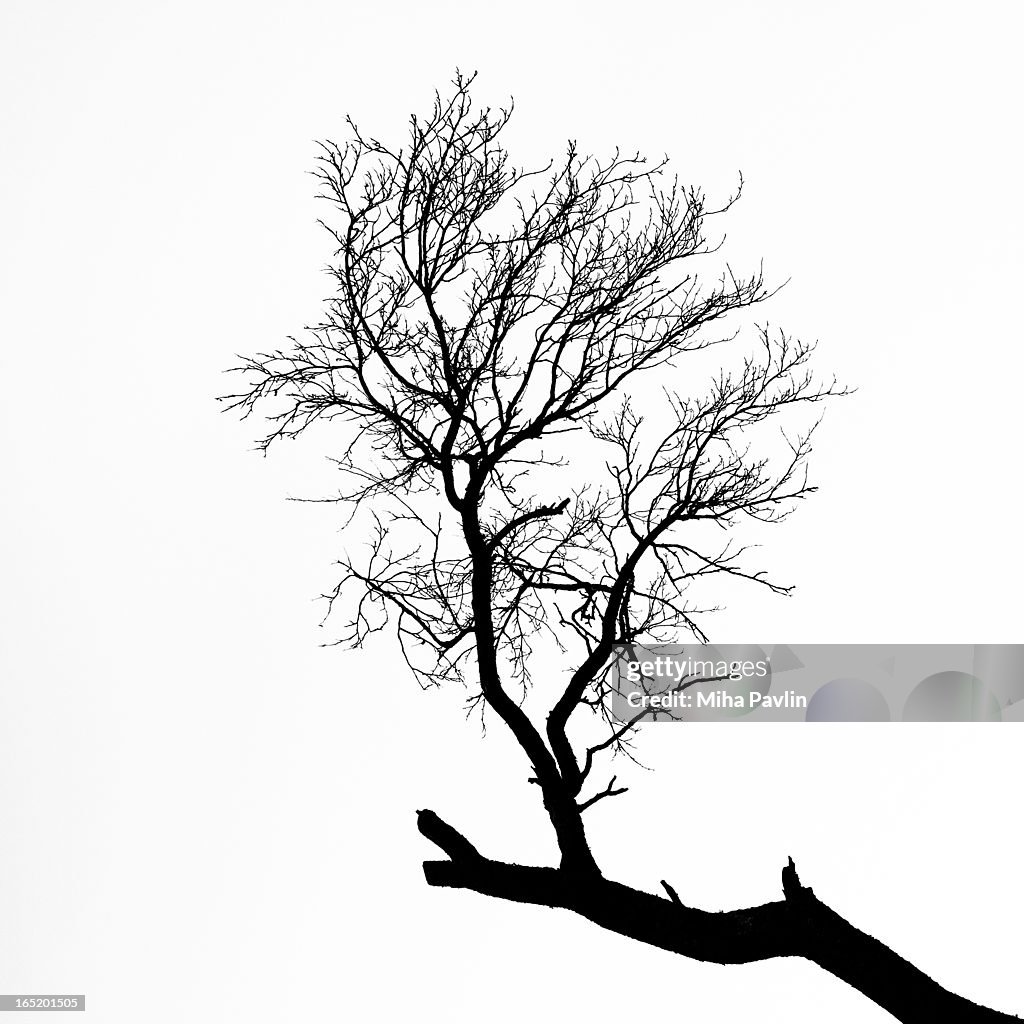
column 491, row 325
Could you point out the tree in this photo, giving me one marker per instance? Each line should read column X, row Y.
column 489, row 326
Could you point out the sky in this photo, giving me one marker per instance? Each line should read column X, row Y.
column 208, row 814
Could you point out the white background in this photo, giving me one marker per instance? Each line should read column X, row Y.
column 208, row 817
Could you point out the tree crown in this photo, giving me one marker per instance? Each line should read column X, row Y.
column 491, row 325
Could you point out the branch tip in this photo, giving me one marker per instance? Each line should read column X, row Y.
column 673, row 895
column 441, row 834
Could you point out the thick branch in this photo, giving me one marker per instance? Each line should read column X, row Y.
column 798, row 925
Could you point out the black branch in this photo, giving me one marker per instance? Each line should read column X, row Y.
column 799, row 925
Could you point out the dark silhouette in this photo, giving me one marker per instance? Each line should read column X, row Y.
column 489, row 326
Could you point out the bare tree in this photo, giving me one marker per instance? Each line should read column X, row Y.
column 490, row 325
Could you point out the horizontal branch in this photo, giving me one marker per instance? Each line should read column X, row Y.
column 541, row 512
column 797, row 925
